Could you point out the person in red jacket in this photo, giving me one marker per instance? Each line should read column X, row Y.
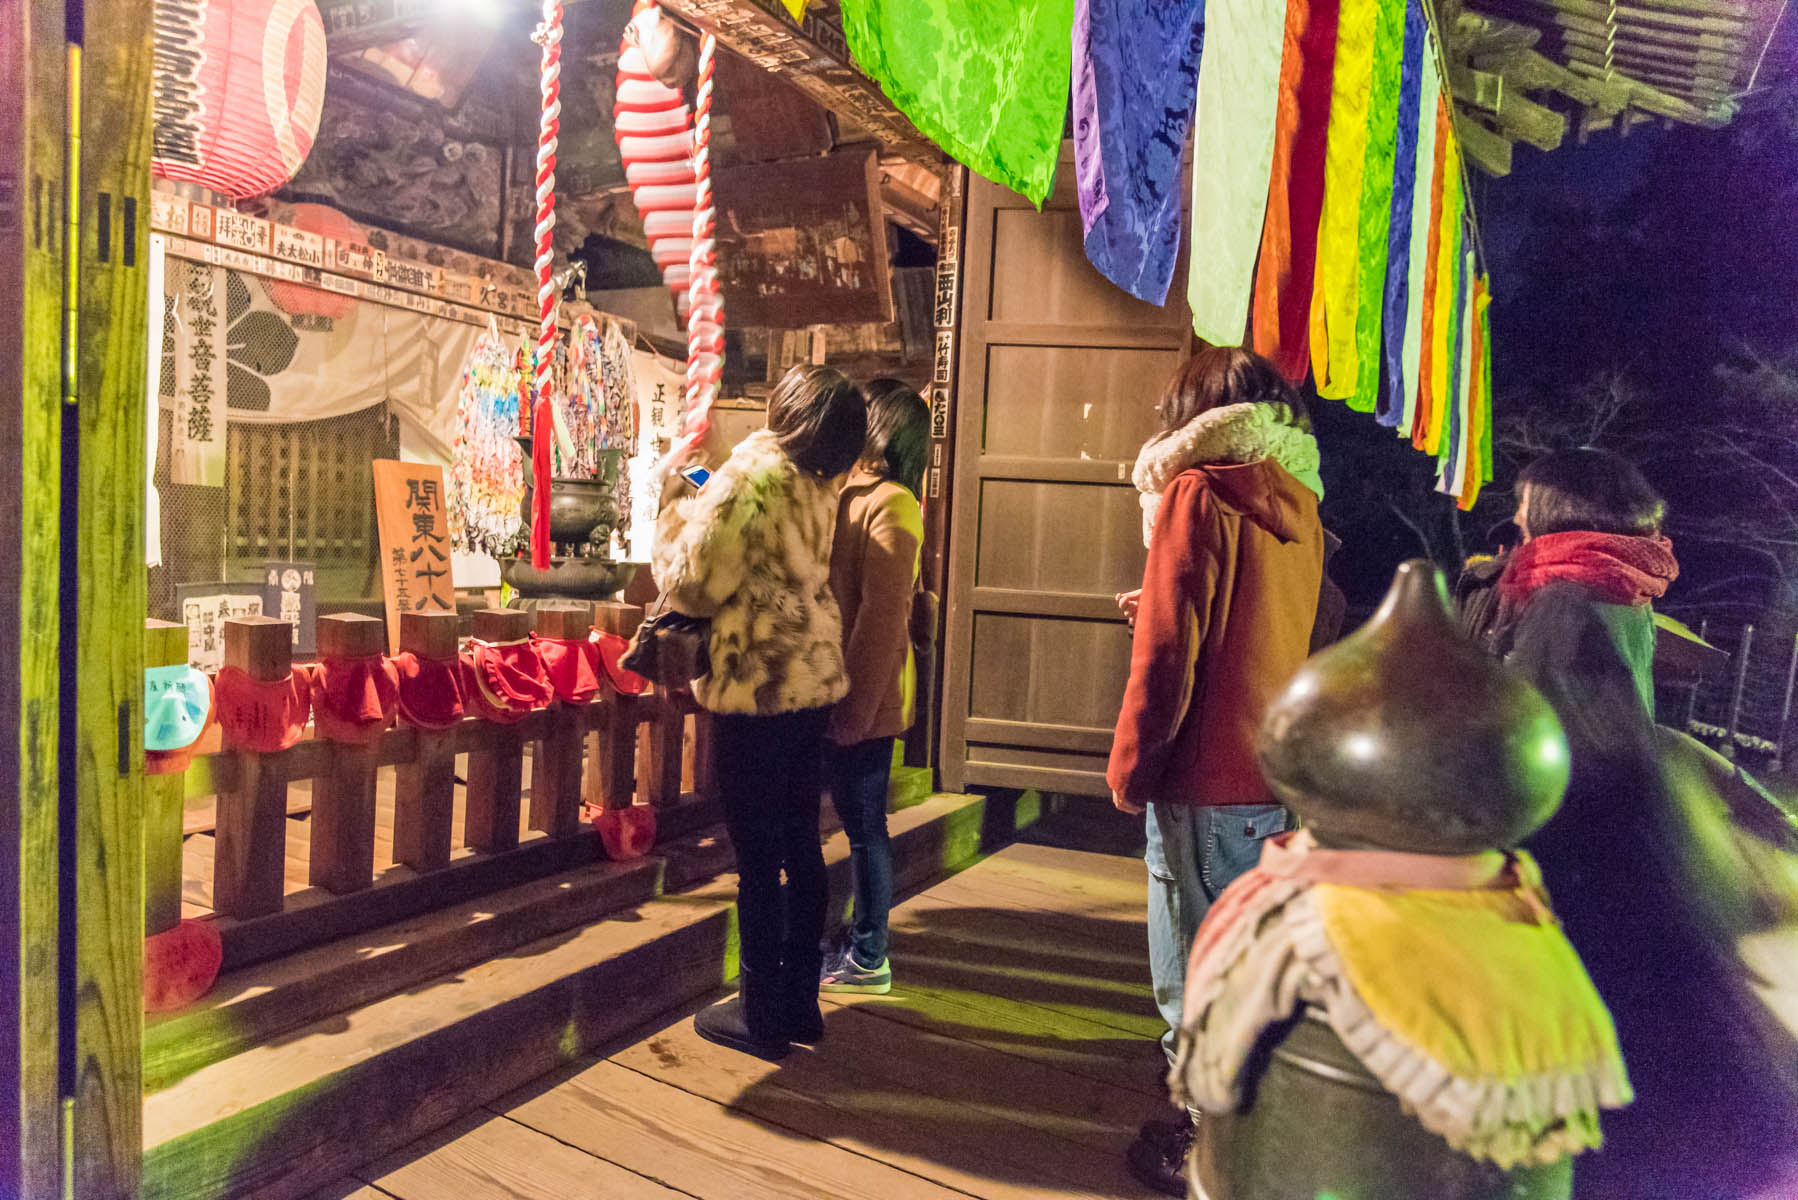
column 1229, row 597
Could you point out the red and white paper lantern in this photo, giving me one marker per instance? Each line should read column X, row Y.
column 239, row 87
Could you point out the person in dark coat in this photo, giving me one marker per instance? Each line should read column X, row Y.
column 1630, row 859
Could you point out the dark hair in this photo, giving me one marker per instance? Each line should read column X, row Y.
column 1221, row 375
column 819, row 418
column 1589, row 490
column 898, row 433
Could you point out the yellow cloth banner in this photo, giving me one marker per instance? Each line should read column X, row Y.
column 1336, row 299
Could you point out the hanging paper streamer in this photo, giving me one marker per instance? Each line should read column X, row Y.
column 486, row 475
column 583, row 401
column 1136, row 71
column 1287, row 265
column 1239, row 102
column 987, row 80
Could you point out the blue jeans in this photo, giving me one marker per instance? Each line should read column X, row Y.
column 858, row 777
column 1193, row 855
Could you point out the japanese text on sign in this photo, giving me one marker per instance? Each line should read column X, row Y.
column 415, row 551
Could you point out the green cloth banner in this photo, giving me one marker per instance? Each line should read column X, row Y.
column 1375, row 218
column 987, row 80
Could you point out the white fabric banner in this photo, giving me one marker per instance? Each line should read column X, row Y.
column 197, row 438
column 280, row 367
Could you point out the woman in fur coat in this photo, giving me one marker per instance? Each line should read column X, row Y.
column 1229, row 599
column 751, row 551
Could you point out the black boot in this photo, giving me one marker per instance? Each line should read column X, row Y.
column 749, row 1022
column 801, row 1019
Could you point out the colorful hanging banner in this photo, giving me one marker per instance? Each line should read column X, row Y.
column 1136, row 72
column 1287, row 265
column 987, row 80
column 1239, row 104
column 1374, row 217
column 1423, row 196
column 1335, row 299
column 1390, row 404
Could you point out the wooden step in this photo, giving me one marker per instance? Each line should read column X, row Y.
column 281, row 1118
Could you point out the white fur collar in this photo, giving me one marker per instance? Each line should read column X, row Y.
column 1235, row 433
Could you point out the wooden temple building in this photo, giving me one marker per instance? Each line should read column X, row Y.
column 418, row 929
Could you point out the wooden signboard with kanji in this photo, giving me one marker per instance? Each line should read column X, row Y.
column 415, row 548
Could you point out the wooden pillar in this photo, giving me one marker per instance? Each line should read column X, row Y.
column 343, row 798
column 556, row 767
column 250, row 870
column 922, row 743
column 163, row 803
column 424, row 790
column 103, row 591
column 496, row 763
column 32, row 131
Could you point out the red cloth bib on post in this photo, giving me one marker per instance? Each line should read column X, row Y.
column 354, row 699
column 611, row 648
column 260, row 715
column 430, row 690
column 504, row 681
column 572, row 668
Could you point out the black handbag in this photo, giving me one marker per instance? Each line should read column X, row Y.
column 670, row 649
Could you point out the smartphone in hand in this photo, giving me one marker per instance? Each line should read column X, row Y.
column 695, row 475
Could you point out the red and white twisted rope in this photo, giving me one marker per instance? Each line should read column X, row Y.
column 705, row 301
column 549, row 36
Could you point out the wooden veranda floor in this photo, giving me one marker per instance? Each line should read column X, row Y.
column 1015, row 1058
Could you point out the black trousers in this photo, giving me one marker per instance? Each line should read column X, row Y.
column 769, row 772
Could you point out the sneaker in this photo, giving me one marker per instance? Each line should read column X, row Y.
column 1158, row 1155
column 844, row 974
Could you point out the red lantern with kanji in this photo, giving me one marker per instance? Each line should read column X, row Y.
column 239, row 86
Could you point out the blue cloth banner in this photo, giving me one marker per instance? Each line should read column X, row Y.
column 1136, row 75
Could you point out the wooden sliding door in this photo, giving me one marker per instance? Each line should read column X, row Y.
column 1059, row 374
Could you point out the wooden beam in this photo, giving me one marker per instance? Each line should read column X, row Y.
column 1528, row 121
column 814, row 56
column 31, row 182
column 1489, row 151
column 109, row 593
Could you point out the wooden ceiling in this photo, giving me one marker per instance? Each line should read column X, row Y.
column 1533, row 71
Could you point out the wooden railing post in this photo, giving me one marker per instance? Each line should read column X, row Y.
column 343, row 798
column 250, row 869
column 660, row 744
column 556, row 765
column 424, row 790
column 165, row 646
column 613, row 781
column 496, row 765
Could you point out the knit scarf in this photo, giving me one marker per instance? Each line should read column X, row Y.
column 1235, row 433
column 1616, row 568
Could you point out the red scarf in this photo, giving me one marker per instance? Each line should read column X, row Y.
column 1614, row 567
column 262, row 715
column 354, row 699
column 430, row 690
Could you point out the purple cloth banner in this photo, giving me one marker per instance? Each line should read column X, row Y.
column 1136, row 75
